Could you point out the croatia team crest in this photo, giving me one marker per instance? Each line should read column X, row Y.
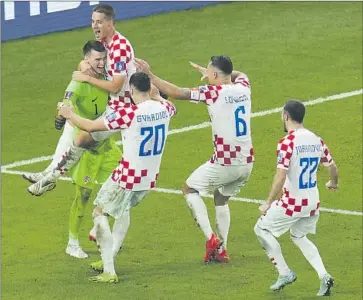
column 87, row 179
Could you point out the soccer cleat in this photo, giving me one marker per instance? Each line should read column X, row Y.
column 47, row 183
column 326, row 284
column 222, row 257
column 97, row 266
column 33, row 177
column 104, row 277
column 210, row 248
column 282, row 281
column 76, row 251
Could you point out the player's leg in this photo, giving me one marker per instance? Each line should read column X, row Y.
column 104, row 237
column 221, row 196
column 75, row 219
column 64, row 143
column 298, row 234
column 201, row 181
column 68, row 159
column 268, row 227
column 119, row 230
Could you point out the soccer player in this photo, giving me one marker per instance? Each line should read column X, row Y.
column 144, row 128
column 119, row 66
column 298, row 156
column 228, row 100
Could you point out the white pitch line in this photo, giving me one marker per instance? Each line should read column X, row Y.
column 247, row 200
column 198, row 126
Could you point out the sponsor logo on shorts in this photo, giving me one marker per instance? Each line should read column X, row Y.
column 120, row 66
column 87, row 179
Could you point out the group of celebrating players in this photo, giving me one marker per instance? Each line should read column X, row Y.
column 113, row 92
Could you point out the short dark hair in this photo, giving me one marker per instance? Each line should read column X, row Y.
column 105, row 9
column 296, row 110
column 93, row 45
column 222, row 63
column 141, row 81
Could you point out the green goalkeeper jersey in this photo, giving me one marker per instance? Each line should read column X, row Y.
column 88, row 101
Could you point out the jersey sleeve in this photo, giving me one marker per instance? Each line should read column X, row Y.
column 284, row 151
column 243, row 79
column 120, row 118
column 326, row 159
column 171, row 108
column 205, row 93
column 73, row 91
column 121, row 52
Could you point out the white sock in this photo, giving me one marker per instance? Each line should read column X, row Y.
column 273, row 250
column 65, row 141
column 311, row 253
column 73, row 242
column 119, row 231
column 199, row 212
column 105, row 239
column 223, row 220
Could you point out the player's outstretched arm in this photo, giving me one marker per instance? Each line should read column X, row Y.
column 82, row 123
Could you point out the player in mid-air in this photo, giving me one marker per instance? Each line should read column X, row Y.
column 96, row 163
column 228, row 100
column 298, row 156
column 119, row 67
column 144, row 128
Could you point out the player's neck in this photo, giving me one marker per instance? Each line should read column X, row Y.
column 140, row 98
column 109, row 37
column 294, row 126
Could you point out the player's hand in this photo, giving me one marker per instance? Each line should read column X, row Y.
column 142, row 65
column 264, row 208
column 154, row 93
column 80, row 76
column 65, row 110
column 86, row 68
column 331, row 186
column 200, row 69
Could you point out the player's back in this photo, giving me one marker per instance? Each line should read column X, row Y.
column 230, row 113
column 306, row 151
column 144, row 143
column 88, row 101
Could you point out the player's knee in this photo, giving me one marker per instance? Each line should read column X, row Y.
column 84, row 140
column 85, row 194
column 296, row 236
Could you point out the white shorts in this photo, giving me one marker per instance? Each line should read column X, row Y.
column 278, row 223
column 227, row 179
column 115, row 200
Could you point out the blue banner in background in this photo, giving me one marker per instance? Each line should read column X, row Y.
column 25, row 19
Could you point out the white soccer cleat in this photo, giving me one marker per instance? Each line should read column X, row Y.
column 33, row 177
column 327, row 282
column 282, row 281
column 76, row 251
column 47, row 183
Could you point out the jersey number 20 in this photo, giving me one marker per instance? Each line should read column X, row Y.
column 241, row 126
column 159, row 132
column 308, row 164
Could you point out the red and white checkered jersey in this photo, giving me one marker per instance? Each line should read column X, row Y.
column 144, row 129
column 120, row 62
column 300, row 152
column 229, row 107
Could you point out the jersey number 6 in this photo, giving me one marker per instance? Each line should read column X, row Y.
column 159, row 132
column 241, row 126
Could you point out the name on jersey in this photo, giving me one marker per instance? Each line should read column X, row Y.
column 235, row 99
column 152, row 117
column 308, row 148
